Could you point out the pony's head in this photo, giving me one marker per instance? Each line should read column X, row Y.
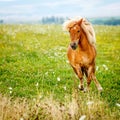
column 75, row 31
column 76, row 28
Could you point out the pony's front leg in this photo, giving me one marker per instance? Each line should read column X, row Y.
column 78, row 72
column 89, row 77
column 88, row 83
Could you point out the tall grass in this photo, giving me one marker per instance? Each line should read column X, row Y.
column 39, row 82
column 89, row 107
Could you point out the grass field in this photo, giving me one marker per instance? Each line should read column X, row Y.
column 36, row 78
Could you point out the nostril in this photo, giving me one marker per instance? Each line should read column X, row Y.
column 74, row 44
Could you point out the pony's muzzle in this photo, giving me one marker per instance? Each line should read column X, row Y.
column 74, row 44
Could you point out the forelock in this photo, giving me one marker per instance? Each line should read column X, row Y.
column 70, row 23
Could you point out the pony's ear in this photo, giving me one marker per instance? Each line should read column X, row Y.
column 80, row 22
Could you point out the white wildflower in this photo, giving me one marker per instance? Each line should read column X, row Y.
column 58, row 78
column 40, row 96
column 82, row 117
column 60, row 48
column 46, row 73
column 67, row 61
column 56, row 54
column 10, row 91
column 21, row 118
column 97, row 68
column 118, row 104
column 34, row 99
column 90, row 102
column 105, row 67
column 37, row 84
column 10, row 88
column 25, row 115
column 65, row 88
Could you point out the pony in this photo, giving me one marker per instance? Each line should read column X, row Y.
column 81, row 52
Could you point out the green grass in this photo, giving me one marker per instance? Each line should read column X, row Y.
column 34, row 54
column 33, row 62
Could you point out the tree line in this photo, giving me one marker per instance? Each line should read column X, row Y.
column 60, row 20
column 108, row 21
column 97, row 21
column 52, row 20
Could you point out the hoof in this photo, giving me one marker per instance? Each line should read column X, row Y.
column 81, row 88
column 86, row 90
column 100, row 89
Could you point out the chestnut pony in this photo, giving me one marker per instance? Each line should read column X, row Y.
column 81, row 51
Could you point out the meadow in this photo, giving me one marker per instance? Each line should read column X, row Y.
column 37, row 82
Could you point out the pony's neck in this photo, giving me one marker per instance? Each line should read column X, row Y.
column 83, row 43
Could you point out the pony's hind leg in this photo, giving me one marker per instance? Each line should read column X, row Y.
column 99, row 87
column 91, row 75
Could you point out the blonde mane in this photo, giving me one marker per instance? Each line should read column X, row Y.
column 86, row 26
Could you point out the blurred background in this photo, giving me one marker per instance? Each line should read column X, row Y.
column 53, row 11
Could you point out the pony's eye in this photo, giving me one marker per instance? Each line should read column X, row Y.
column 78, row 31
